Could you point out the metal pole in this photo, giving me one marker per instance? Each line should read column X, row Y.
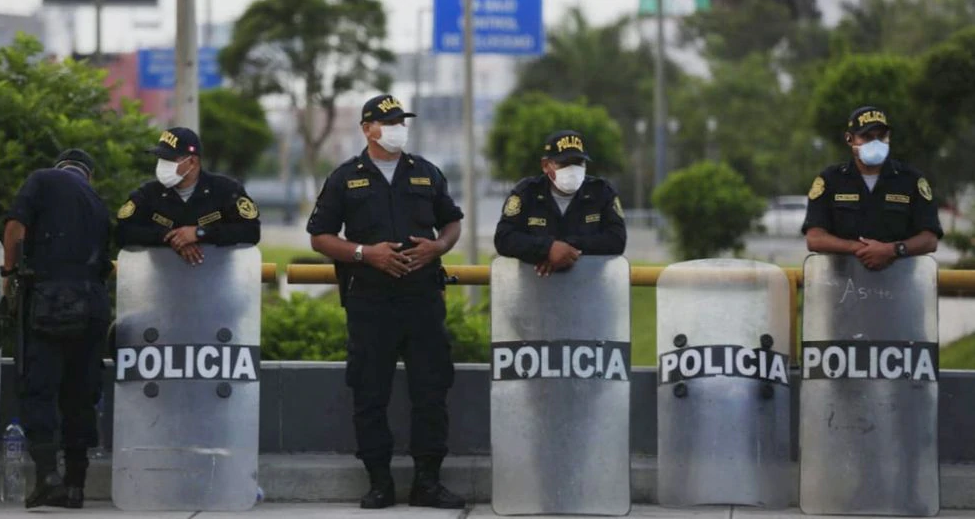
column 660, row 103
column 641, row 166
column 187, row 67
column 208, row 30
column 417, row 129
column 470, row 197
column 98, row 32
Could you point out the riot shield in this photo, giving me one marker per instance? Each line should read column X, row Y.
column 723, row 394
column 560, row 391
column 186, row 389
column 868, row 425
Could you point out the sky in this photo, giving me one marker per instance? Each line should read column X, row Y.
column 154, row 27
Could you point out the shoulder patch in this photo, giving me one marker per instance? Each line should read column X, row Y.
column 817, row 189
column 247, row 208
column 512, row 207
column 127, row 210
column 617, row 206
column 924, row 188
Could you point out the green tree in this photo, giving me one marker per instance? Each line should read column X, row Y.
column 522, row 122
column 47, row 106
column 710, row 208
column 311, row 51
column 235, row 131
column 903, row 27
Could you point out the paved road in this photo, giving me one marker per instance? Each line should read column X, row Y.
column 347, row 511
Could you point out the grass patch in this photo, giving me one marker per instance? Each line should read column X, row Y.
column 959, row 354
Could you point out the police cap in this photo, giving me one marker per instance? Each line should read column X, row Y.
column 383, row 108
column 866, row 118
column 565, row 145
column 77, row 157
column 177, row 142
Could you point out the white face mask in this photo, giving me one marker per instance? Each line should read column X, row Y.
column 393, row 138
column 569, row 179
column 166, row 173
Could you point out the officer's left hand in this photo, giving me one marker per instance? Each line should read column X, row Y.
column 424, row 252
column 179, row 238
column 876, row 255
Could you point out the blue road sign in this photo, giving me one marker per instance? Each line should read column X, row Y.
column 157, row 69
column 500, row 27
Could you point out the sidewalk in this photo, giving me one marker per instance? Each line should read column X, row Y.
column 344, row 511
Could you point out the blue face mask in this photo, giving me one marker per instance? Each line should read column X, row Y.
column 874, row 153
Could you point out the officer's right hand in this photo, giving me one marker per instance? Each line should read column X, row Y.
column 562, row 255
column 383, row 256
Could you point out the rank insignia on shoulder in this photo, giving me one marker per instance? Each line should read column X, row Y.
column 247, row 208
column 512, row 207
column 618, row 207
column 127, row 210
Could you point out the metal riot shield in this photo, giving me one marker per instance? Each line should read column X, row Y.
column 560, row 391
column 723, row 394
column 186, row 389
column 868, row 425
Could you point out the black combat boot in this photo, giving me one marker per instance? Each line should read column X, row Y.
column 75, row 474
column 382, row 492
column 427, row 490
column 49, row 491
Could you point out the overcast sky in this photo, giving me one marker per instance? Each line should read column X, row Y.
column 155, row 30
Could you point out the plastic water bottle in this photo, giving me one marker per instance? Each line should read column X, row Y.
column 99, row 450
column 14, row 458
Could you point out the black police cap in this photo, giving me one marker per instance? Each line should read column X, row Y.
column 77, row 156
column 177, row 142
column 866, row 118
column 565, row 145
column 383, row 108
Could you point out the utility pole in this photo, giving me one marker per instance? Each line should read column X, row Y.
column 470, row 197
column 98, row 32
column 417, row 129
column 660, row 103
column 187, row 67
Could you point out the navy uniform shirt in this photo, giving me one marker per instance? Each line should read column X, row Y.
column 358, row 196
column 531, row 220
column 68, row 226
column 900, row 206
column 219, row 204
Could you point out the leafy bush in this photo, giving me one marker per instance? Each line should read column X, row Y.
column 308, row 328
column 710, row 208
column 47, row 106
column 302, row 328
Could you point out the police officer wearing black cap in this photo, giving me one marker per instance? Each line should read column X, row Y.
column 552, row 219
column 873, row 206
column 399, row 220
column 186, row 206
column 65, row 231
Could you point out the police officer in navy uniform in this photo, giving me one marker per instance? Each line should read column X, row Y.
column 66, row 231
column 399, row 220
column 874, row 207
column 186, row 206
column 551, row 219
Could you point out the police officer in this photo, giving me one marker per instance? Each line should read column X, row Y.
column 553, row 218
column 186, row 206
column 65, row 228
column 873, row 206
column 399, row 220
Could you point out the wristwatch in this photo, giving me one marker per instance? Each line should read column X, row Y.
column 201, row 233
column 900, row 249
column 357, row 255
